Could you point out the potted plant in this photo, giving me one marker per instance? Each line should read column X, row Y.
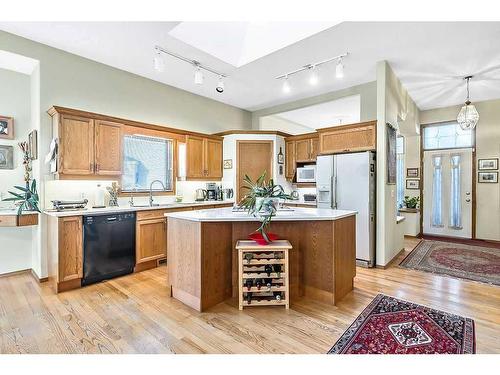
column 262, row 201
column 412, row 202
column 27, row 199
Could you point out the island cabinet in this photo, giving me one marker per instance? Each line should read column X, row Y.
column 203, row 158
column 65, row 238
column 87, row 147
column 348, row 138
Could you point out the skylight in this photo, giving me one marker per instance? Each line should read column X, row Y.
column 239, row 43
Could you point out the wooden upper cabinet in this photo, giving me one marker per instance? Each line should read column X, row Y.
column 108, row 148
column 302, row 150
column 70, row 248
column 76, row 145
column 195, row 156
column 314, row 148
column 213, row 158
column 203, row 158
column 348, row 138
column 289, row 159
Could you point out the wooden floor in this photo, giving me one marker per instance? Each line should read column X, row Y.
column 134, row 314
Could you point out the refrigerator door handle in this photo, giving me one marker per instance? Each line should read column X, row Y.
column 334, row 191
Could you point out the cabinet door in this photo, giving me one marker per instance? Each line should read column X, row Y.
column 194, row 157
column 151, row 240
column 108, row 148
column 314, row 148
column 76, row 148
column 289, row 160
column 349, row 138
column 213, row 158
column 70, row 248
column 302, row 150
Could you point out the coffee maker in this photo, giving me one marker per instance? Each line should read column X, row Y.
column 211, row 191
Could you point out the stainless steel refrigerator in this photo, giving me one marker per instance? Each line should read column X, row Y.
column 347, row 182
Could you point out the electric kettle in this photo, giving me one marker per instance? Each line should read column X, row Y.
column 201, row 194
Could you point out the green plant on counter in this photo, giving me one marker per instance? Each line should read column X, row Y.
column 262, row 200
column 412, row 202
column 27, row 199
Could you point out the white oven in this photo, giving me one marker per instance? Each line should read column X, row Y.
column 306, row 173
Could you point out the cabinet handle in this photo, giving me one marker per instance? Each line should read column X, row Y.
column 97, row 168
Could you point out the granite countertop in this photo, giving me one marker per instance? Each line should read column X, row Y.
column 127, row 208
column 295, row 214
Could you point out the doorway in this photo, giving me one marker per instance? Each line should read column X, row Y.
column 447, row 192
column 253, row 158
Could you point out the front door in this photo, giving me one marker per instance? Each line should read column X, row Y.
column 447, row 194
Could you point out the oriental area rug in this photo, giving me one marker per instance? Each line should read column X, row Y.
column 457, row 260
column 393, row 326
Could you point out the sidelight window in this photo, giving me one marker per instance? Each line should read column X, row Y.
column 455, row 201
column 437, row 187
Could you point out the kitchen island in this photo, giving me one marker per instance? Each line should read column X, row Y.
column 202, row 262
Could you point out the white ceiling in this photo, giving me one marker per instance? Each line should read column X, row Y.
column 427, row 57
column 337, row 112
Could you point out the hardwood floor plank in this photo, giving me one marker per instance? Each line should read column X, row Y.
column 135, row 314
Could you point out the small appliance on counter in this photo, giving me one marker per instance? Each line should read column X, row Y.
column 201, row 195
column 69, row 205
column 309, row 198
column 212, row 190
column 227, row 194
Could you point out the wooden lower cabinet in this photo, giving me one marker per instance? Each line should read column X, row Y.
column 65, row 252
column 151, row 240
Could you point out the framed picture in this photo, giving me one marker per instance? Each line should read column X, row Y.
column 280, row 169
column 391, row 154
column 228, row 164
column 488, row 164
column 6, row 127
column 412, row 172
column 487, row 177
column 412, row 184
column 281, row 157
column 6, row 157
column 33, row 144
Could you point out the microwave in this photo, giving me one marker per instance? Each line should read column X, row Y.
column 306, row 174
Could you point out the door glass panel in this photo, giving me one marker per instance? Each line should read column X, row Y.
column 437, row 186
column 455, row 201
column 446, row 135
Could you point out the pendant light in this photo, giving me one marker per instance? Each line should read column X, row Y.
column 468, row 116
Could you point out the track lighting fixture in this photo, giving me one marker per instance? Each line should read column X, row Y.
column 159, row 65
column 220, row 85
column 198, row 75
column 339, row 69
column 312, row 68
column 286, row 86
column 313, row 78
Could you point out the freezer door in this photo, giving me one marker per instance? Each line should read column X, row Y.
column 352, row 192
column 324, row 177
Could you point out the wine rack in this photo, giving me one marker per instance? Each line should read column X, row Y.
column 263, row 273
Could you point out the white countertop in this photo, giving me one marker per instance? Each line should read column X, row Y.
column 296, row 214
column 127, row 208
column 13, row 212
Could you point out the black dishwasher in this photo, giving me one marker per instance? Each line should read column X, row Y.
column 108, row 246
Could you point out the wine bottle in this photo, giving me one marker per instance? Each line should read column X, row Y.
column 277, row 269
column 258, row 283
column 249, row 283
column 277, row 296
column 277, row 255
column 248, row 257
column 268, row 269
column 268, row 284
column 249, row 298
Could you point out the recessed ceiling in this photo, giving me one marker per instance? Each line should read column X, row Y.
column 239, row 43
column 337, row 112
column 428, row 57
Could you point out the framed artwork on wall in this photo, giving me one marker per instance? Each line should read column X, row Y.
column 6, row 127
column 6, row 157
column 487, row 177
column 228, row 164
column 412, row 172
column 391, row 154
column 488, row 164
column 412, row 184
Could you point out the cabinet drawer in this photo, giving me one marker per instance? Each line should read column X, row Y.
column 8, row 221
column 150, row 214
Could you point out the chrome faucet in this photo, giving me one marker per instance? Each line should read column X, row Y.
column 131, row 201
column 151, row 192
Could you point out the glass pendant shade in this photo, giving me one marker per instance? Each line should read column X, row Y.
column 468, row 116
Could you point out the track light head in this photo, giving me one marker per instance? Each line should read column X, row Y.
column 220, row 85
column 313, row 78
column 286, row 86
column 159, row 63
column 339, row 69
column 198, row 75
